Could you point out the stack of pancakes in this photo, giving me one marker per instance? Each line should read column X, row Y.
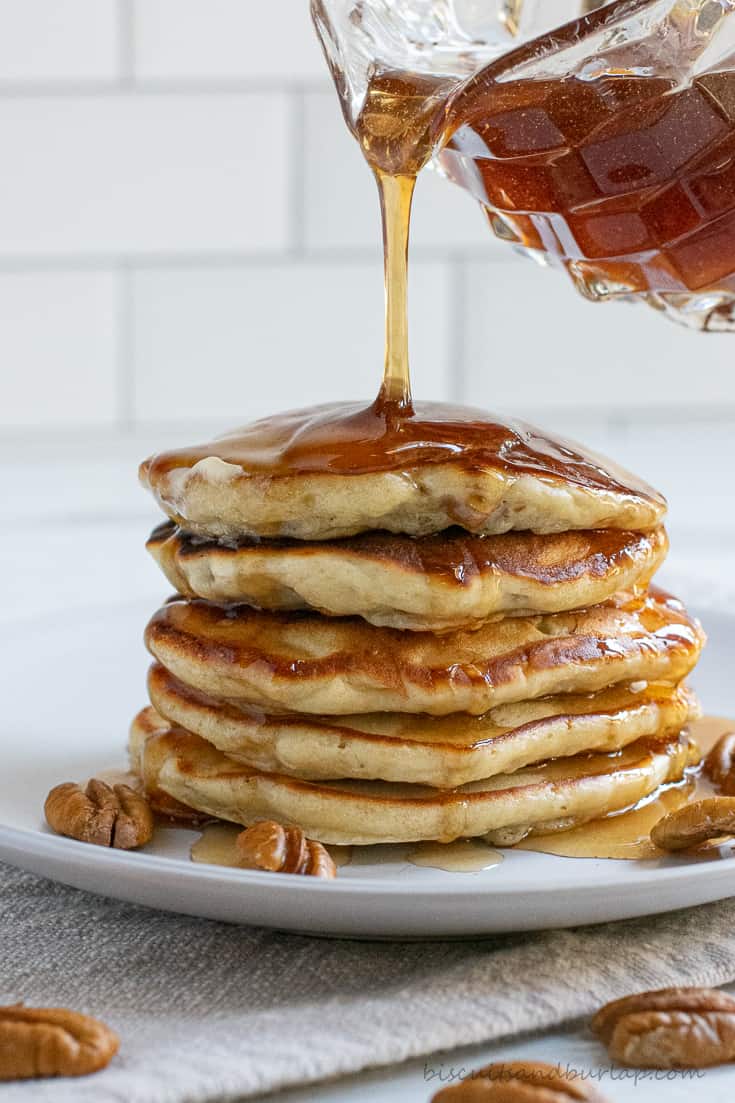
column 342, row 655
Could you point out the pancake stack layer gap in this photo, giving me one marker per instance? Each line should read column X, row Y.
column 397, row 630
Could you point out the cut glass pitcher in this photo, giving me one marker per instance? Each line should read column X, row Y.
column 604, row 145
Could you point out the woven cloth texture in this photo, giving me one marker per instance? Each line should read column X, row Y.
column 211, row 1012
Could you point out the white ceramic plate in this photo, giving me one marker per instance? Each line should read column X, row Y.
column 73, row 682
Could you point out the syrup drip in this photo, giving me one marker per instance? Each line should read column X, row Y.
column 394, row 130
column 396, row 194
column 627, row 834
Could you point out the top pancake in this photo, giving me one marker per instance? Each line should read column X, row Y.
column 332, row 471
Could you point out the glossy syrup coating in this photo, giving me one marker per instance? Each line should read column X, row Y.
column 350, row 438
column 312, row 664
column 331, row 471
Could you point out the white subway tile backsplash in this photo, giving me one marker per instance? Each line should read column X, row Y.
column 532, row 342
column 143, row 174
column 236, row 343
column 58, row 344
column 46, row 40
column 78, row 567
column 446, row 218
column 341, row 202
column 253, row 249
column 95, row 475
column 226, row 39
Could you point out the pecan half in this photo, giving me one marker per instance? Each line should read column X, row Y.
column 519, row 1082
column 270, row 846
column 52, row 1041
column 695, row 823
column 116, row 817
column 719, row 765
column 674, row 1028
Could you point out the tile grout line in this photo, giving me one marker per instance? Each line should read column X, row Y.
column 296, row 160
column 124, row 374
column 126, row 44
column 29, row 435
column 261, row 258
column 147, row 86
column 618, row 423
column 456, row 351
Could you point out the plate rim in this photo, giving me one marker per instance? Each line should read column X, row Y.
column 54, row 847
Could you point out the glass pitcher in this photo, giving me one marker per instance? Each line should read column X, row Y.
column 604, row 145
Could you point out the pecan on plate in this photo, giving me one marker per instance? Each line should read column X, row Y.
column 674, row 1028
column 270, row 846
column 114, row 816
column 695, row 823
column 52, row 1041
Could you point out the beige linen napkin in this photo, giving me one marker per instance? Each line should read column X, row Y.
column 208, row 1011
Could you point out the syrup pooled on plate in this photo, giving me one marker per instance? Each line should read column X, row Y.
column 627, row 834
column 461, row 856
column 216, row 846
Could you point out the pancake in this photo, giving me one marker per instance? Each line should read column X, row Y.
column 451, row 580
column 439, row 751
column 176, row 764
column 302, row 662
column 332, row 471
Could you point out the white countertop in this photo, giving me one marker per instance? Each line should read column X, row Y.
column 574, row 1049
column 77, row 528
